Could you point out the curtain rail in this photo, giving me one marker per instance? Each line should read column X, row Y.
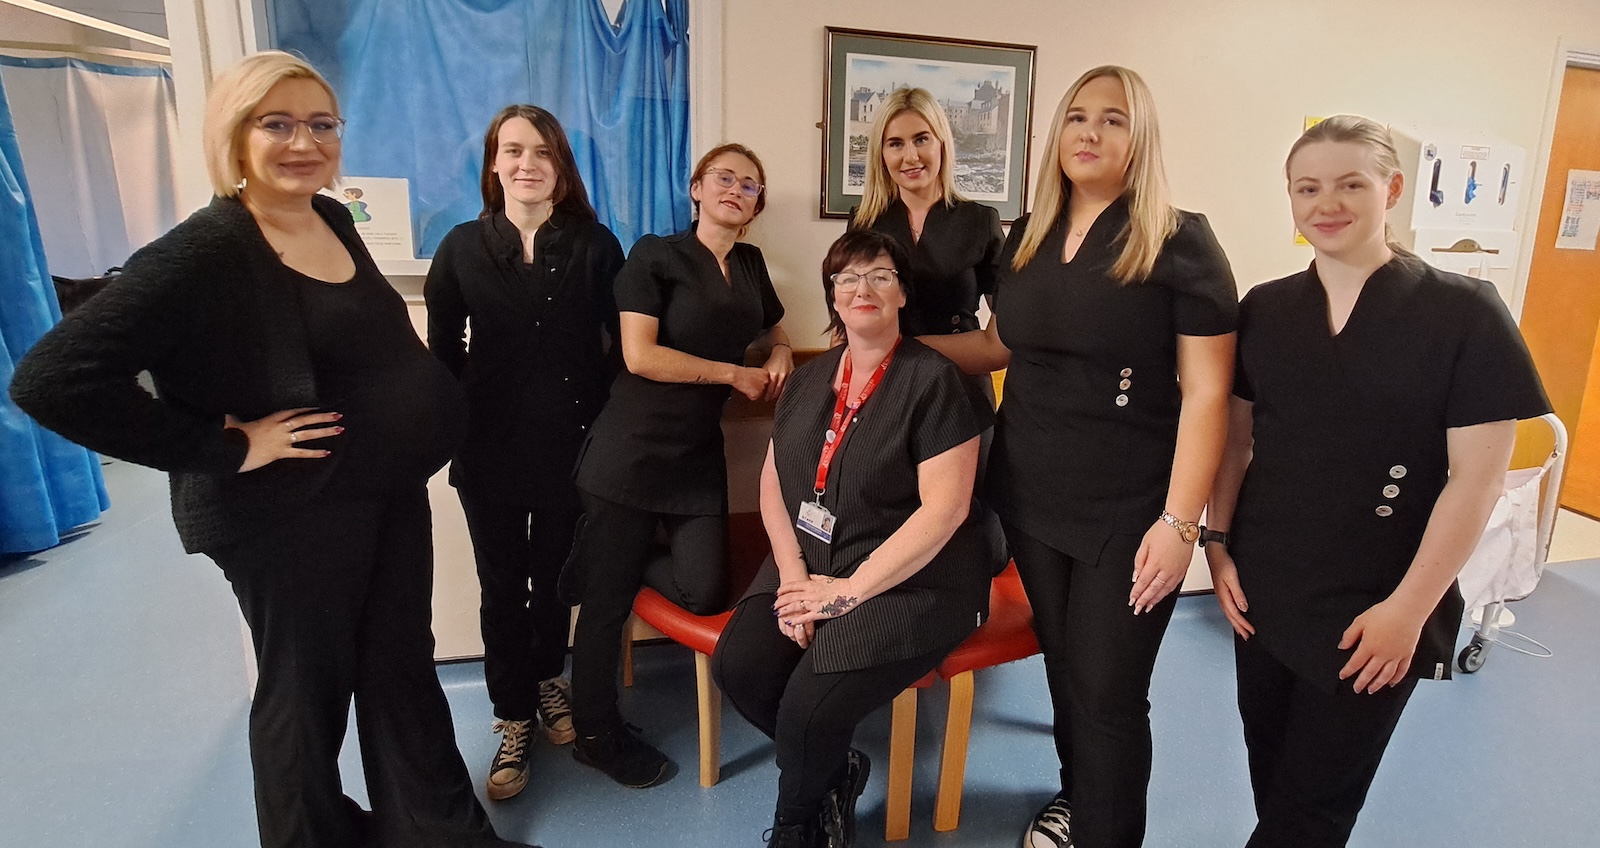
column 89, row 21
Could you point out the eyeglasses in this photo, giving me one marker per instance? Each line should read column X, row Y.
column 726, row 178
column 280, row 129
column 878, row 278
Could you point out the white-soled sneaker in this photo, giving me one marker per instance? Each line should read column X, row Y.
column 508, row 774
column 555, row 710
column 1051, row 828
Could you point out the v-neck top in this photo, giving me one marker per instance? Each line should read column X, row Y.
column 1085, row 438
column 919, row 411
column 1350, row 447
column 953, row 265
column 658, row 446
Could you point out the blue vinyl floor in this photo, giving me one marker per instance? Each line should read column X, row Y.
column 123, row 713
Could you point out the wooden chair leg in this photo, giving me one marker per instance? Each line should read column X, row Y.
column 710, row 711
column 953, row 759
column 902, row 754
column 627, row 654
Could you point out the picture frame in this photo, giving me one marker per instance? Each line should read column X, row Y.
column 986, row 88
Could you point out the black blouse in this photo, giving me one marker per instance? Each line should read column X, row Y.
column 1084, row 443
column 919, row 411
column 658, row 446
column 952, row 265
column 543, row 348
column 1350, row 447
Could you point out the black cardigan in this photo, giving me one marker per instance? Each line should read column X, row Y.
column 209, row 311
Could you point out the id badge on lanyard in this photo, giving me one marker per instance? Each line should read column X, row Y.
column 814, row 519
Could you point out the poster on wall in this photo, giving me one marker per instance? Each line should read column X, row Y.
column 381, row 208
column 985, row 88
column 1580, row 213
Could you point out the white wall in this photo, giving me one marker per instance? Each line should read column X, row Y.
column 1233, row 82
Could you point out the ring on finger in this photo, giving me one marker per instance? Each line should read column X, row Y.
column 293, row 437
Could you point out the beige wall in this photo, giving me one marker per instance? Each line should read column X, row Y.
column 1233, row 82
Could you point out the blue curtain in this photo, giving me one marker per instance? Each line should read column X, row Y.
column 418, row 81
column 47, row 484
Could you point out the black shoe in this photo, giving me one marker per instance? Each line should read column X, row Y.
column 508, row 774
column 1051, row 828
column 569, row 584
column 839, row 807
column 794, row 836
column 624, row 757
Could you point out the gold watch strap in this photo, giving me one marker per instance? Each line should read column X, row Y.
column 1189, row 531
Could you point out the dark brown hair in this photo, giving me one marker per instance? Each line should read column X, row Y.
column 571, row 196
column 864, row 246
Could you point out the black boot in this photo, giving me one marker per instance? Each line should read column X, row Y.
column 794, row 836
column 839, row 807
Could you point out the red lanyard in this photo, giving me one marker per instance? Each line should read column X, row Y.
column 840, row 424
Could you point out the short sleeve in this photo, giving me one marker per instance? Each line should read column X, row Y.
column 1206, row 299
column 942, row 415
column 771, row 306
column 640, row 286
column 1494, row 378
column 1242, row 387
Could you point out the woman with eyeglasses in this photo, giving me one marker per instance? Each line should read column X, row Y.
column 299, row 418
column 879, row 567
column 533, row 277
column 692, row 305
column 1116, row 315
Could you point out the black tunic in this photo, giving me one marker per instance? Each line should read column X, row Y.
column 918, row 412
column 1350, row 447
column 537, row 368
column 1078, row 459
column 658, row 446
column 952, row 265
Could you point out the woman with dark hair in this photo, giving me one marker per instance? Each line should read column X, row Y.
column 1372, row 421
column 691, row 305
column 879, row 566
column 532, row 280
column 299, row 418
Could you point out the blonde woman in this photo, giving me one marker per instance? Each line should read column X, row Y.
column 1372, row 423
column 300, row 419
column 1121, row 310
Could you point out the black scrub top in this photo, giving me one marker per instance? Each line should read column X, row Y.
column 658, row 446
column 919, row 411
column 538, row 365
column 1350, row 448
column 1084, row 443
column 953, row 265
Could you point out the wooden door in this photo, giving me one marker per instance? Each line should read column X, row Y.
column 1561, row 310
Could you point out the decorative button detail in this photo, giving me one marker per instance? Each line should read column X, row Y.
column 955, row 320
column 1397, row 472
column 1391, row 490
column 1127, row 372
column 1384, row 511
column 1125, row 385
column 1122, row 400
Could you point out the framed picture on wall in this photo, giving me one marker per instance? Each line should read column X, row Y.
column 986, row 89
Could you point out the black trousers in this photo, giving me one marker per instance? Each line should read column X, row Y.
column 338, row 600
column 810, row 715
column 1098, row 659
column 1313, row 753
column 519, row 550
column 618, row 555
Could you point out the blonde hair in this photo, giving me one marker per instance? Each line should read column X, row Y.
column 236, row 93
column 1151, row 218
column 880, row 190
column 1354, row 129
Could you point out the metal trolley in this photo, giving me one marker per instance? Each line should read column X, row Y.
column 1547, row 479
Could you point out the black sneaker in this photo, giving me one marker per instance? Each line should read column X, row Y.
column 624, row 757
column 508, row 774
column 839, row 807
column 1051, row 828
column 555, row 710
column 569, row 584
column 793, row 836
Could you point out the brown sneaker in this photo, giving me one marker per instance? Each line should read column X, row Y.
column 508, row 774
column 555, row 710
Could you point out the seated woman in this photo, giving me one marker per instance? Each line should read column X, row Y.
column 876, row 571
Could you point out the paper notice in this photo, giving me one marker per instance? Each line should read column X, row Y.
column 1580, row 216
column 381, row 209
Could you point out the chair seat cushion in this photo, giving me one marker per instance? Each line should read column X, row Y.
column 698, row 632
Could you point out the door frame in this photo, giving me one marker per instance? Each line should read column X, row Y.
column 1570, row 53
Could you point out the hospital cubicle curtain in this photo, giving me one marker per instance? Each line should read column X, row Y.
column 418, row 81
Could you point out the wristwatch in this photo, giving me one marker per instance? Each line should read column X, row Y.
column 1218, row 536
column 1188, row 530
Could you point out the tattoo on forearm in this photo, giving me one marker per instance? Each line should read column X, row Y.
column 701, row 381
column 838, row 606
